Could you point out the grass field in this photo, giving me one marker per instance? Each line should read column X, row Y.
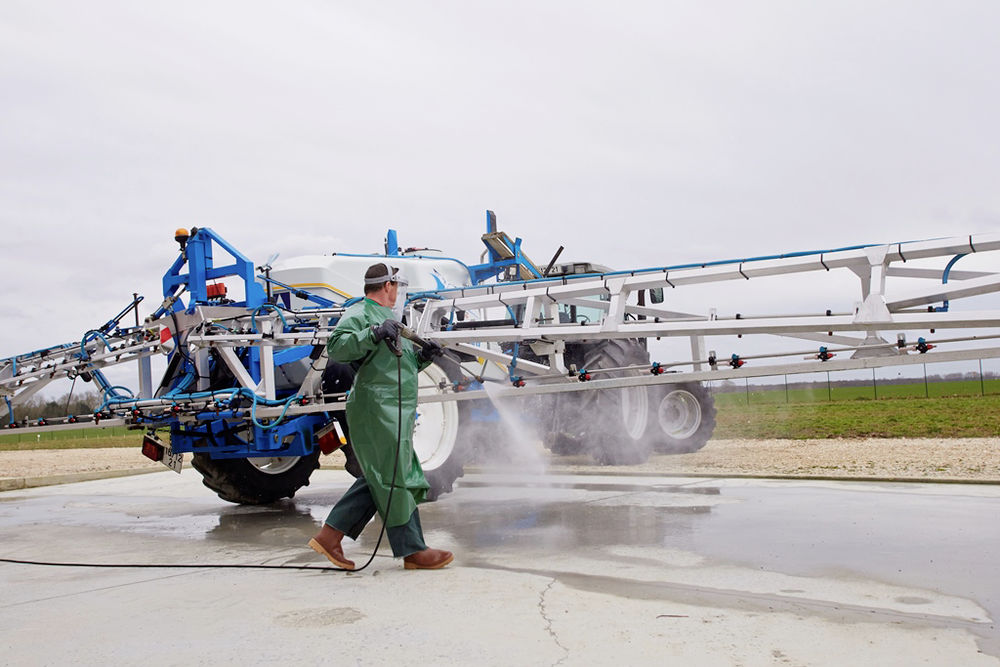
column 954, row 410
column 957, row 409
column 947, row 417
column 83, row 438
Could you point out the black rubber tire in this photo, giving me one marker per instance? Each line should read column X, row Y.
column 595, row 421
column 673, row 397
column 562, row 444
column 337, row 379
column 442, row 477
column 239, row 481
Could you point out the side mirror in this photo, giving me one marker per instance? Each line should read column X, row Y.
column 656, row 295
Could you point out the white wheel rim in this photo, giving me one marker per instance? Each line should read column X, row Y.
column 436, row 427
column 273, row 465
column 635, row 410
column 679, row 414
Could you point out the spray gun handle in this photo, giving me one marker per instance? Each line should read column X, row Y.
column 394, row 346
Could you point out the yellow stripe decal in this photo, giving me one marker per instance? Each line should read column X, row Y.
column 307, row 286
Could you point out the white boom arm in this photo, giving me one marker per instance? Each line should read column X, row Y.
column 475, row 320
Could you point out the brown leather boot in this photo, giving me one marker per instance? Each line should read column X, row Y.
column 327, row 543
column 428, row 559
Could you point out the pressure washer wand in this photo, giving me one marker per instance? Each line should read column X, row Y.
column 397, row 349
column 410, row 334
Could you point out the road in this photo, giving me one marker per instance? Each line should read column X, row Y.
column 550, row 569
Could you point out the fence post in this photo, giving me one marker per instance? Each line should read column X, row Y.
column 746, row 380
column 982, row 385
column 829, row 392
column 786, row 389
column 874, row 384
column 926, row 394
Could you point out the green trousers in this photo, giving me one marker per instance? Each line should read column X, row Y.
column 356, row 508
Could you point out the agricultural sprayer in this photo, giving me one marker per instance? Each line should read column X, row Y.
column 249, row 393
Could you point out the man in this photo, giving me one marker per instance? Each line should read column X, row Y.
column 373, row 412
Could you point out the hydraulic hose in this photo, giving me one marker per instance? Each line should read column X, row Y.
column 89, row 336
column 266, row 306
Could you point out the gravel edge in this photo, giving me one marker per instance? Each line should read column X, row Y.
column 939, row 460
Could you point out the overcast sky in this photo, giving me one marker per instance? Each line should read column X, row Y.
column 633, row 133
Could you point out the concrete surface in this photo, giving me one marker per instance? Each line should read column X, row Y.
column 563, row 569
column 15, row 483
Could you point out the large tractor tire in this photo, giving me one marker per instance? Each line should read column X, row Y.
column 683, row 418
column 442, row 439
column 444, row 433
column 610, row 424
column 618, row 417
column 256, row 481
column 622, row 426
column 565, row 432
column 436, row 432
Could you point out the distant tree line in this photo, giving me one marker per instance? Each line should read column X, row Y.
column 77, row 403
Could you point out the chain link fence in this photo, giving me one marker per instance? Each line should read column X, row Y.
column 976, row 378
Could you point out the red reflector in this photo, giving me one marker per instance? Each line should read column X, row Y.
column 152, row 449
column 330, row 442
column 164, row 335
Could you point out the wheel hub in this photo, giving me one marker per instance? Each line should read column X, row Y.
column 679, row 414
column 635, row 408
column 435, row 428
column 273, row 465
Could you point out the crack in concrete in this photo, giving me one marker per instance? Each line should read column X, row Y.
column 985, row 630
column 548, row 623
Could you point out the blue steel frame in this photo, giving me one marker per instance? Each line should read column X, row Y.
column 223, row 434
column 496, row 265
column 200, row 259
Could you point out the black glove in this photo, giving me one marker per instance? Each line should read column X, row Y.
column 429, row 351
column 387, row 330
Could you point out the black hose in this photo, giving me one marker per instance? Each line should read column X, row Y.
column 395, row 467
column 190, row 566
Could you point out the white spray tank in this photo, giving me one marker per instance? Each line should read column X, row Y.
column 340, row 276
